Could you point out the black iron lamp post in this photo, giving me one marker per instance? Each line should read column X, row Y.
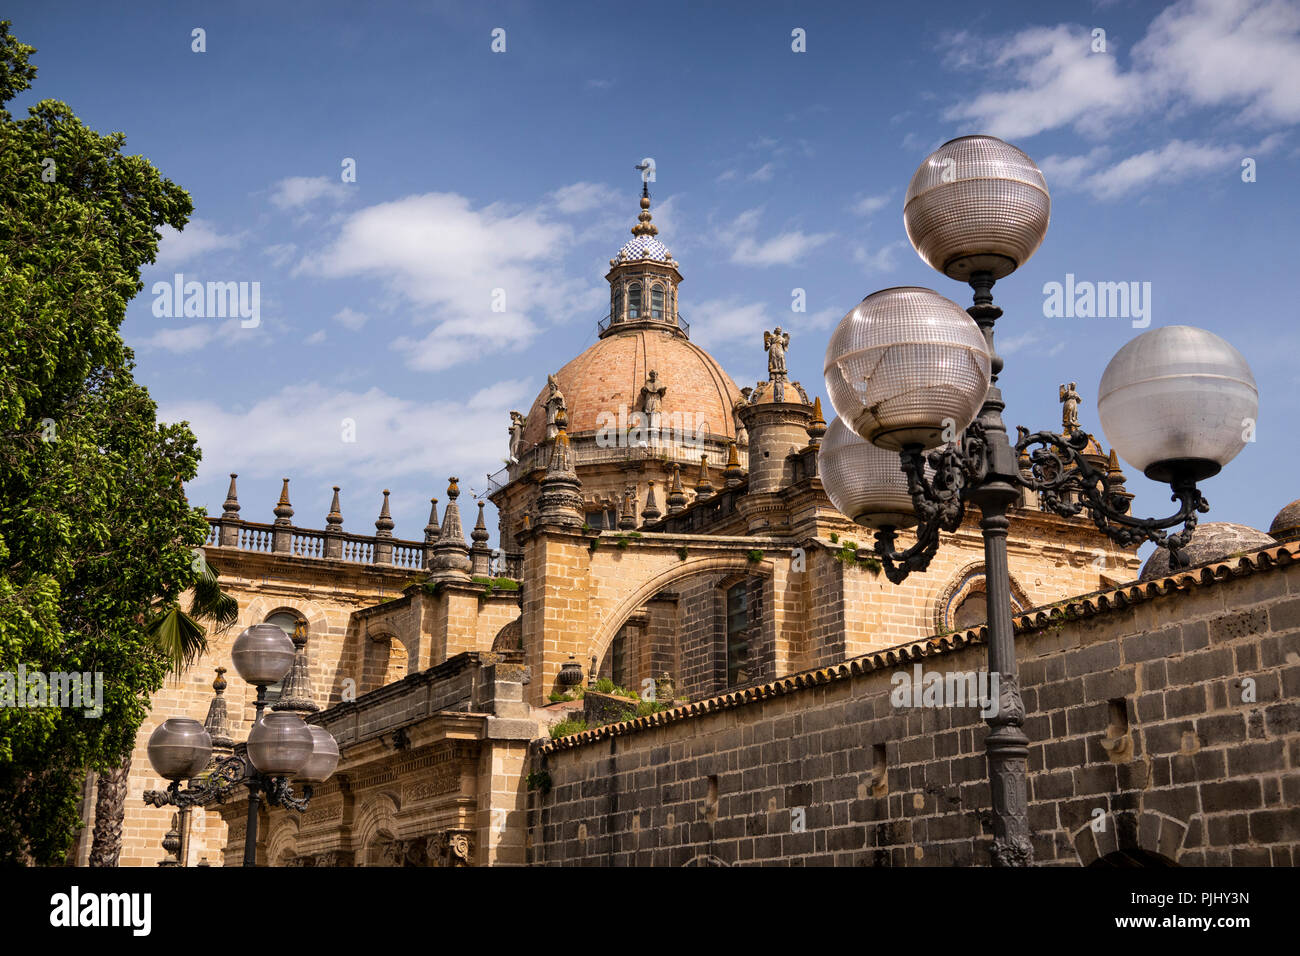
column 280, row 748
column 909, row 371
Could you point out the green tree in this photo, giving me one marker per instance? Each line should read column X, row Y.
column 97, row 540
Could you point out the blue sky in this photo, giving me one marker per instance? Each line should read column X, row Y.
column 776, row 170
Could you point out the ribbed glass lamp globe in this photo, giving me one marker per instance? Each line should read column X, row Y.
column 1178, row 402
column 279, row 745
column 865, row 483
column 977, row 204
column 263, row 654
column 324, row 756
column 179, row 748
column 904, row 366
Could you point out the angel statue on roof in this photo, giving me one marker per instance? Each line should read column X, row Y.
column 776, row 343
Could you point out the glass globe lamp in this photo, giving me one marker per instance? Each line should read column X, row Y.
column 324, row 756
column 280, row 744
column 1178, row 403
column 263, row 654
column 977, row 204
column 864, row 482
column 179, row 748
column 905, row 366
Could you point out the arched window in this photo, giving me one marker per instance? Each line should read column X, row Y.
column 286, row 621
column 656, row 302
column 738, row 669
column 634, row 300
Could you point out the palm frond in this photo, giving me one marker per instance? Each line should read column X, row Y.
column 178, row 637
column 212, row 604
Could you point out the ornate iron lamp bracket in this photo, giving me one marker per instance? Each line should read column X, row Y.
column 1066, row 482
column 217, row 783
column 939, row 503
column 221, row 780
column 1058, row 471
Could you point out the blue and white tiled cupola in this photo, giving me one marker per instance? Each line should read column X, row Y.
column 643, row 280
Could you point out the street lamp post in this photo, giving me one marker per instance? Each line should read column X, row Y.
column 280, row 747
column 908, row 371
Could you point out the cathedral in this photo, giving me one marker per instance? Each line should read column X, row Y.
column 678, row 646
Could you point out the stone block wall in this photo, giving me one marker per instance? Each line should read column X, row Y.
column 1164, row 720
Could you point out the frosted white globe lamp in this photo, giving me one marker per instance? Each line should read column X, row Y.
column 864, row 482
column 907, row 366
column 179, row 748
column 263, row 654
column 977, row 204
column 279, row 745
column 1178, row 403
column 324, row 756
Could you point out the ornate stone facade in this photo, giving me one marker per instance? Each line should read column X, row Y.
column 709, row 566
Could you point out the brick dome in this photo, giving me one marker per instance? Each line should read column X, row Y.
column 611, row 373
column 1210, row 542
column 1286, row 523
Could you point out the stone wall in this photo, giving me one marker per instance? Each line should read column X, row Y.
column 1164, row 720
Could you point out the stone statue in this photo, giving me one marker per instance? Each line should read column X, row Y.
column 776, row 343
column 652, row 394
column 1069, row 399
column 554, row 403
column 517, row 423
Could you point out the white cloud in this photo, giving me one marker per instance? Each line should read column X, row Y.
column 189, row 338
column 763, row 174
column 280, row 253
column 584, row 197
column 454, row 264
column 884, row 259
column 315, row 338
column 299, row 431
column 1175, row 161
column 350, row 318
column 868, row 205
column 198, row 238
column 1228, row 52
column 781, row 249
column 297, row 191
column 1023, row 341
column 720, row 321
column 1243, row 54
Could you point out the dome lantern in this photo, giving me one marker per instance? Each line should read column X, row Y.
column 643, row 280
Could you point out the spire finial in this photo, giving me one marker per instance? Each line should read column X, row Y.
column 283, row 510
column 817, row 427
column 231, row 504
column 733, row 473
column 431, row 529
column 644, row 227
column 676, row 494
column 651, row 510
column 335, row 518
column 704, row 487
column 384, row 523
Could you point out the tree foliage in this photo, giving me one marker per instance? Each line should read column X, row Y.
column 97, row 540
